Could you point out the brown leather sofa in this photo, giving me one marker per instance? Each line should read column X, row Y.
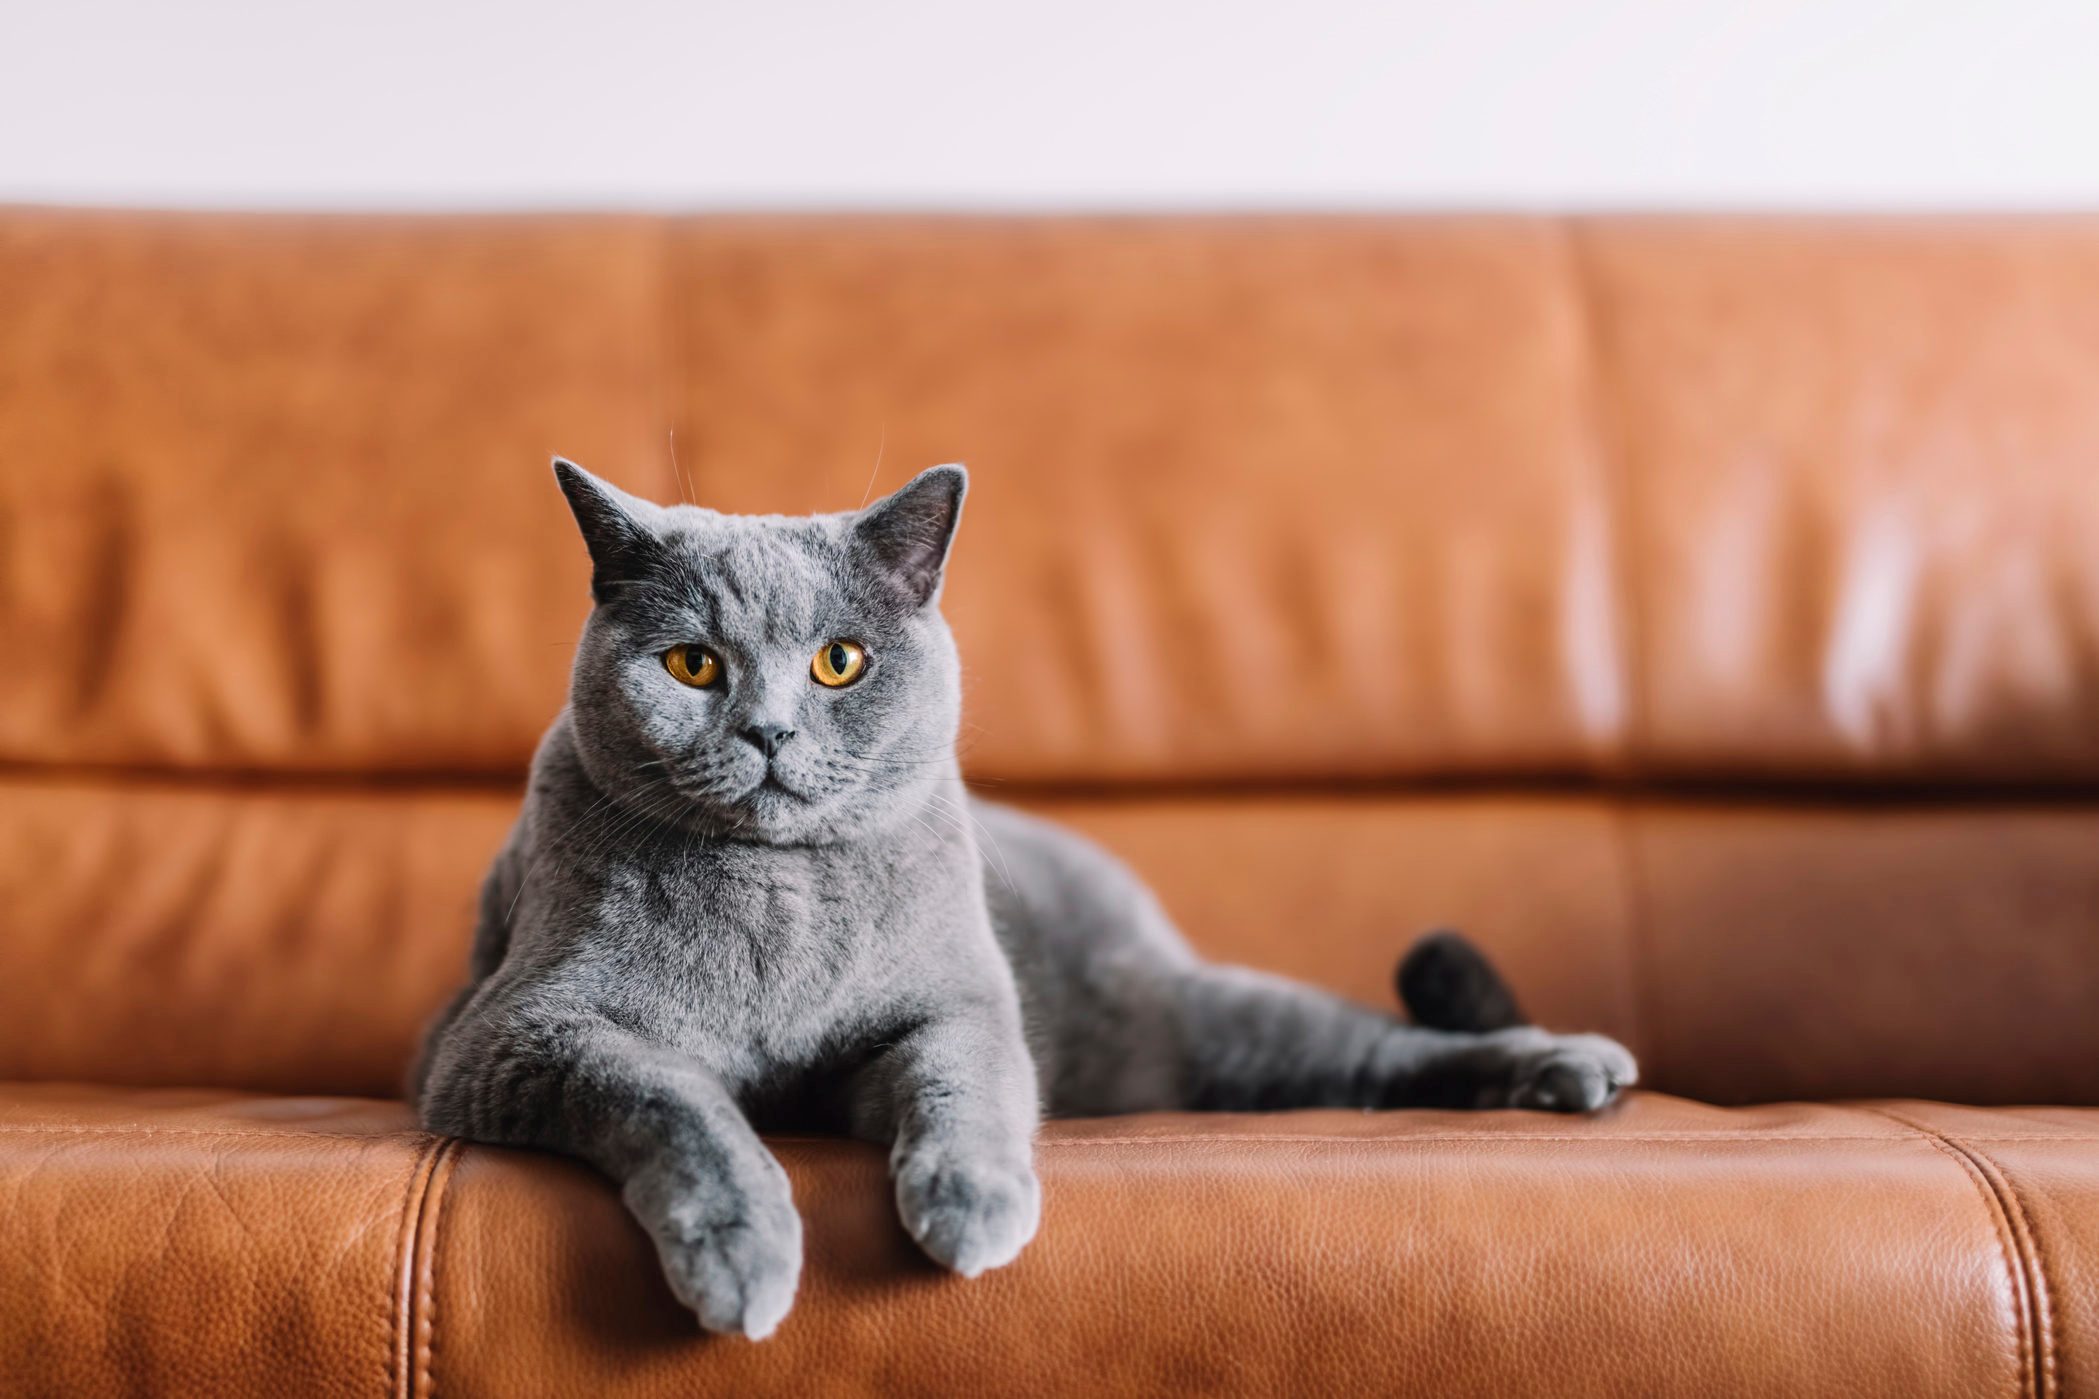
column 1702, row 612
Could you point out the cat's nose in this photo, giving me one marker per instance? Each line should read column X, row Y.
column 767, row 738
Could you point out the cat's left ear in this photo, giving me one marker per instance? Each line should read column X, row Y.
column 907, row 535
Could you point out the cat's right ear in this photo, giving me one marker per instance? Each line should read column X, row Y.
column 615, row 528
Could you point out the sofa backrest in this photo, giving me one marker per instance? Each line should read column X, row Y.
column 1750, row 564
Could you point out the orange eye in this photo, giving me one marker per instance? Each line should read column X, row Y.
column 838, row 663
column 692, row 665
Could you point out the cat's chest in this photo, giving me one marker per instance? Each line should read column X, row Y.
column 757, row 958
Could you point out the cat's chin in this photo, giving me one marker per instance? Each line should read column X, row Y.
column 781, row 817
column 769, row 813
column 776, row 810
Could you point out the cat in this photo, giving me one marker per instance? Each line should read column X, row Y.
column 747, row 891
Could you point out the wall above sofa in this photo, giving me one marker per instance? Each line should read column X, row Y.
column 1091, row 104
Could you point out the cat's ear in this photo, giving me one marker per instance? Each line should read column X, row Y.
column 907, row 535
column 615, row 527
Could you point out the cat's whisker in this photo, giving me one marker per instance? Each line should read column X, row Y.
column 533, row 868
column 915, row 819
column 649, row 810
column 960, row 814
column 881, row 446
column 684, row 486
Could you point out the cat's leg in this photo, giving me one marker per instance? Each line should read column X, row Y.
column 956, row 1099
column 1245, row 1040
column 1129, row 1019
column 499, row 896
column 690, row 1168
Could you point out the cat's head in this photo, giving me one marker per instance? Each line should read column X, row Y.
column 774, row 678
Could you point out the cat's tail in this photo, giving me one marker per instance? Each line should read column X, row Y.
column 1448, row 984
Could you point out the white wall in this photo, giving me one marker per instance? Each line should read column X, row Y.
column 975, row 103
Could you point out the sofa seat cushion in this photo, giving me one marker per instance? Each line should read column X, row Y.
column 191, row 1242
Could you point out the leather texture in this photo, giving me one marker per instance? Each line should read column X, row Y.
column 296, row 940
column 256, row 1245
column 1701, row 612
column 1861, row 455
column 300, row 464
column 1257, row 499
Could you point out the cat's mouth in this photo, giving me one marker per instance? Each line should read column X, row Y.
column 772, row 787
column 769, row 788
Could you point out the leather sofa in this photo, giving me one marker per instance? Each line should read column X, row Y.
column 1702, row 612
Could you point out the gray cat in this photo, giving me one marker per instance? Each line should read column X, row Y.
column 748, row 892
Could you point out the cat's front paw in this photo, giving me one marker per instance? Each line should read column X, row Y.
column 734, row 1259
column 968, row 1213
column 1572, row 1073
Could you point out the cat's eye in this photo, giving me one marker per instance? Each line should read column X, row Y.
column 692, row 665
column 838, row 663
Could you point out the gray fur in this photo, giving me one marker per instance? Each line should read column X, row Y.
column 686, row 942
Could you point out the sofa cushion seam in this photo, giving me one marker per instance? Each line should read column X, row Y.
column 1605, row 420
column 1481, row 1139
column 2018, row 1269
column 1639, row 934
column 2044, row 1291
column 415, row 1283
column 2048, row 1382
column 1609, row 442
column 129, row 1129
column 404, row 1260
column 1218, row 1138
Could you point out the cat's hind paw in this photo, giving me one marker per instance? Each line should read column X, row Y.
column 1573, row 1073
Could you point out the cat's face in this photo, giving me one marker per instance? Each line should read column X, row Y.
column 771, row 678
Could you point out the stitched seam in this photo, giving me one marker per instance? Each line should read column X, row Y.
column 2016, row 1265
column 413, row 1307
column 2034, row 1137
column 2047, row 1381
column 1221, row 1138
column 2014, row 1273
column 1480, row 1139
column 427, row 1226
column 2044, row 1298
column 1608, row 442
column 128, row 1129
column 1639, row 939
column 404, row 1259
column 2043, row 1293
